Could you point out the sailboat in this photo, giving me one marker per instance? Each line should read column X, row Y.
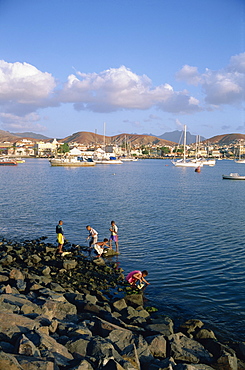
column 240, row 160
column 106, row 158
column 187, row 163
column 207, row 161
column 126, row 157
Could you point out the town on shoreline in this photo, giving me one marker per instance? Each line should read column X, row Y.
column 140, row 146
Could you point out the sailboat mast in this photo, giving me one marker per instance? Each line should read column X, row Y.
column 104, row 136
column 184, row 142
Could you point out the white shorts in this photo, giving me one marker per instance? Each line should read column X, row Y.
column 98, row 249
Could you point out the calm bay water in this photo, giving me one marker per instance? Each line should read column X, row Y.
column 187, row 229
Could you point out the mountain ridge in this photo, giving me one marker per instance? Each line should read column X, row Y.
column 86, row 138
column 176, row 135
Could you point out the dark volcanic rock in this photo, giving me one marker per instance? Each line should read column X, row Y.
column 73, row 312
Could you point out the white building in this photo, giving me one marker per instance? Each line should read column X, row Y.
column 46, row 149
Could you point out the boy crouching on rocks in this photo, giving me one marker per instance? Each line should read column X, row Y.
column 99, row 247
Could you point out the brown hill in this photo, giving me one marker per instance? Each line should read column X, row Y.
column 7, row 136
column 12, row 138
column 87, row 138
column 226, row 139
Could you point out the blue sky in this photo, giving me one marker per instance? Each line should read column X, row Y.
column 141, row 66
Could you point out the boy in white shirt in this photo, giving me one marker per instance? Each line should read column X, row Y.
column 114, row 235
column 93, row 236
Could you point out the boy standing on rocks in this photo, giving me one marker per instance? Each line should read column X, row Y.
column 60, row 236
column 114, row 235
column 93, row 236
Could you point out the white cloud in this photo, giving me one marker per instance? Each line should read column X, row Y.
column 24, row 83
column 23, row 90
column 17, row 123
column 237, row 63
column 189, row 74
column 118, row 89
column 225, row 86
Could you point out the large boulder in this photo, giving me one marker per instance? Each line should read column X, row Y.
column 185, row 349
column 69, row 264
column 134, row 300
column 34, row 363
column 49, row 347
column 227, row 360
column 121, row 338
column 190, row 327
column 157, row 345
column 138, row 350
column 78, row 346
column 192, row 367
column 19, row 300
column 26, row 347
column 59, row 310
column 13, row 324
column 163, row 326
column 9, row 362
column 101, row 348
column 119, row 305
column 83, row 365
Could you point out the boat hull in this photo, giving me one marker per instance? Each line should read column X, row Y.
column 233, row 176
column 8, row 163
column 60, row 163
column 209, row 162
column 187, row 164
column 129, row 159
column 108, row 162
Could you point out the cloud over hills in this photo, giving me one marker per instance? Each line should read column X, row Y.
column 25, row 90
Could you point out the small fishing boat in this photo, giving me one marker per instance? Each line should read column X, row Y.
column 7, row 162
column 233, row 176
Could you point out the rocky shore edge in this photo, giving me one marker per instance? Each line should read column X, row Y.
column 77, row 313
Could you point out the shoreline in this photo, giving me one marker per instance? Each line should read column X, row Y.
column 74, row 312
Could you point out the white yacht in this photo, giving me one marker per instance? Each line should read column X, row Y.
column 183, row 162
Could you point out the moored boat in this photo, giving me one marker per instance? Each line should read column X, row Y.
column 233, row 176
column 209, row 162
column 184, row 162
column 7, row 162
column 109, row 160
column 20, row 160
column 128, row 159
column 72, row 162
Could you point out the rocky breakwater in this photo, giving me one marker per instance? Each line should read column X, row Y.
column 76, row 313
